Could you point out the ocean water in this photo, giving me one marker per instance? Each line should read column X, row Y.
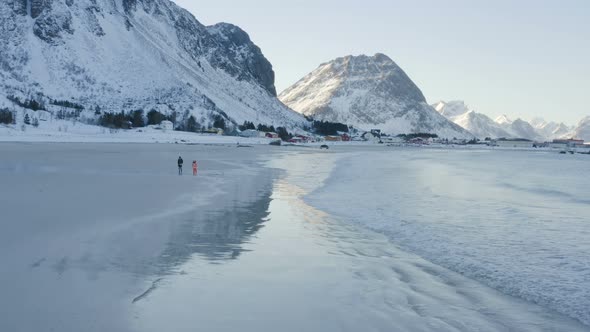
column 518, row 222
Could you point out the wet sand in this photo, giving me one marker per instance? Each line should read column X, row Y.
column 108, row 237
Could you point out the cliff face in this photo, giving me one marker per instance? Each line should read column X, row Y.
column 124, row 54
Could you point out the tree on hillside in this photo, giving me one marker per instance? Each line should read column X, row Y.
column 6, row 116
column 137, row 119
column 247, row 125
column 114, row 120
column 192, row 125
column 329, row 128
column 284, row 134
column 27, row 119
column 219, row 122
column 155, row 118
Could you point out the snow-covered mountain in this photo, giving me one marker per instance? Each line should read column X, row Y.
column 367, row 92
column 503, row 120
column 582, row 130
column 451, row 109
column 519, row 128
column 550, row 130
column 522, row 129
column 483, row 126
column 538, row 123
column 114, row 55
column 478, row 124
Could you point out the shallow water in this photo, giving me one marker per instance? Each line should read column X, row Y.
column 308, row 271
column 110, row 246
column 516, row 221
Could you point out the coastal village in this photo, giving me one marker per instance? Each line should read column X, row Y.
column 570, row 145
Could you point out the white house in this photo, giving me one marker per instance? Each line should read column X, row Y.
column 251, row 133
column 43, row 115
column 167, row 125
column 372, row 136
column 514, row 143
column 584, row 148
column 566, row 143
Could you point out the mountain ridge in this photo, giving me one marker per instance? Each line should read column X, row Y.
column 582, row 130
column 367, row 92
column 478, row 124
column 123, row 55
column 503, row 126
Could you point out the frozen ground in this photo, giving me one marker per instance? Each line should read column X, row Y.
column 106, row 237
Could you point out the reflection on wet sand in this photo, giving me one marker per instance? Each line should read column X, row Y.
column 215, row 235
column 308, row 271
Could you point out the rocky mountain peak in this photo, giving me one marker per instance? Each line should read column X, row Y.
column 380, row 73
column 367, row 92
column 503, row 120
column 478, row 124
column 451, row 108
column 249, row 56
column 225, row 46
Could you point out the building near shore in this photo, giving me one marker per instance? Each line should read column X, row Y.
column 513, row 143
column 567, row 143
column 371, row 136
column 252, row 133
column 166, row 125
column 584, row 148
column 333, row 138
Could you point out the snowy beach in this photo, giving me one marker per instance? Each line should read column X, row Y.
column 107, row 237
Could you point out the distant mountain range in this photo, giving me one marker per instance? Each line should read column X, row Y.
column 478, row 124
column 582, row 130
column 483, row 126
column 552, row 129
column 368, row 92
column 519, row 128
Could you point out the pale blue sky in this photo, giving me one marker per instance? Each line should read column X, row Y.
column 523, row 58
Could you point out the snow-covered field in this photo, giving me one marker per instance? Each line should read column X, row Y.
column 107, row 237
column 61, row 131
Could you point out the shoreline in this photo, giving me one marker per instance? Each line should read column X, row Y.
column 186, row 138
column 241, row 243
column 416, row 231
